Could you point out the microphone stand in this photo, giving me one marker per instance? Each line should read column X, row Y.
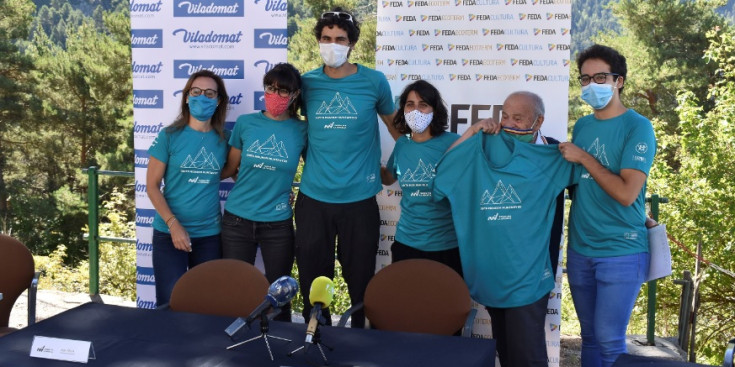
column 264, row 327
column 317, row 339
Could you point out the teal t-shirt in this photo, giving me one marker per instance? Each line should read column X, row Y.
column 343, row 157
column 270, row 155
column 599, row 226
column 425, row 224
column 503, row 198
column 193, row 161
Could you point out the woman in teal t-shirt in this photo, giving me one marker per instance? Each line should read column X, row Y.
column 264, row 154
column 188, row 156
column 425, row 229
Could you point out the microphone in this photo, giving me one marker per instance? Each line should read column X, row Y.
column 320, row 296
column 279, row 293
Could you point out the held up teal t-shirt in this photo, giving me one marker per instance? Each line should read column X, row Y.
column 193, row 161
column 270, row 155
column 599, row 226
column 343, row 157
column 425, row 224
column 503, row 195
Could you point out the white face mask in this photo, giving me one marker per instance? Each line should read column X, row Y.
column 333, row 54
column 418, row 121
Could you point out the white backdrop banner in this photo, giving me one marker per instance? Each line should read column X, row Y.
column 476, row 52
column 239, row 40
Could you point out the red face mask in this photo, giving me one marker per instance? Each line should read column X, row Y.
column 275, row 104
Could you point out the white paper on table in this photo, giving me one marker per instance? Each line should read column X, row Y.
column 62, row 349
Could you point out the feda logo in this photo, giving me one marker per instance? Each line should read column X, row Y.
column 393, row 4
column 147, row 98
column 465, row 77
column 476, row 2
column 529, row 16
column 392, row 33
column 385, row 237
column 146, row 38
column 259, row 101
column 405, row 18
column 565, row 31
column 534, row 62
column 558, row 47
column 557, row 16
column 208, row 8
column 546, row 78
column 140, row 9
column 455, row 32
column 515, row 2
column 441, row 18
column 447, row 62
column 271, row 38
column 418, row 32
column 227, row 69
column 483, row 62
column 544, row 31
column 496, row 77
column 141, row 158
column 144, row 217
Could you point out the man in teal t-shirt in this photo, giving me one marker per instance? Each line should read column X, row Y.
column 607, row 258
column 341, row 173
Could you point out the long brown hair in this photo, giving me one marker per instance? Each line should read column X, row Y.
column 218, row 119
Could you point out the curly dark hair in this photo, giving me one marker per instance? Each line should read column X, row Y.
column 327, row 20
column 431, row 96
column 607, row 54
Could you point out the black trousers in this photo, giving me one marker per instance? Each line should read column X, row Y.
column 519, row 334
column 400, row 251
column 354, row 228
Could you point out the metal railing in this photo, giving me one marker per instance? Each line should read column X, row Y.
column 93, row 237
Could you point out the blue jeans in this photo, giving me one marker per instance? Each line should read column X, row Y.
column 241, row 238
column 604, row 290
column 169, row 264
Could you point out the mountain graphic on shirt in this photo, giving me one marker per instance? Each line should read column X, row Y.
column 337, row 106
column 501, row 195
column 271, row 148
column 597, row 150
column 422, row 173
column 203, row 160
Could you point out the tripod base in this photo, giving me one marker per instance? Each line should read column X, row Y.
column 265, row 337
column 318, row 344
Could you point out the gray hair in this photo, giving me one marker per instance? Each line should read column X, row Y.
column 538, row 103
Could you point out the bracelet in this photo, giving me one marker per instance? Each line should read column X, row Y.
column 172, row 219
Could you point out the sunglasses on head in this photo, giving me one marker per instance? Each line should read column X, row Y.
column 338, row 15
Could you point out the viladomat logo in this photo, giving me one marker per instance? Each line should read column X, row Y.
column 227, row 69
column 147, row 98
column 146, row 38
column 208, row 8
column 270, row 38
column 207, row 36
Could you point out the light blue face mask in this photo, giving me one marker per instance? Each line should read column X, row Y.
column 597, row 95
column 202, row 107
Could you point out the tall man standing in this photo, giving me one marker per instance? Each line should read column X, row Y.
column 336, row 203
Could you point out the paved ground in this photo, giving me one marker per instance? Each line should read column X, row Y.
column 50, row 303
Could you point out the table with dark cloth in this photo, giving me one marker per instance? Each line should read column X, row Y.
column 124, row 336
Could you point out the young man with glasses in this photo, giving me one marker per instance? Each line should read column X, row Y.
column 336, row 202
column 608, row 255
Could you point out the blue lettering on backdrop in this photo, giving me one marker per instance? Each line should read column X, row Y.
column 227, row 69
column 208, row 8
column 270, row 38
column 268, row 65
column 145, row 275
column 208, row 37
column 145, row 6
column 146, row 38
column 144, row 217
column 141, row 158
column 259, row 101
column 154, row 68
column 147, row 98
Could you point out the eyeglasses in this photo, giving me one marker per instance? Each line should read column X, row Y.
column 209, row 93
column 599, row 78
column 283, row 92
column 338, row 15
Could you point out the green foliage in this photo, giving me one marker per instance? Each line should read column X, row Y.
column 117, row 261
column 341, row 301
